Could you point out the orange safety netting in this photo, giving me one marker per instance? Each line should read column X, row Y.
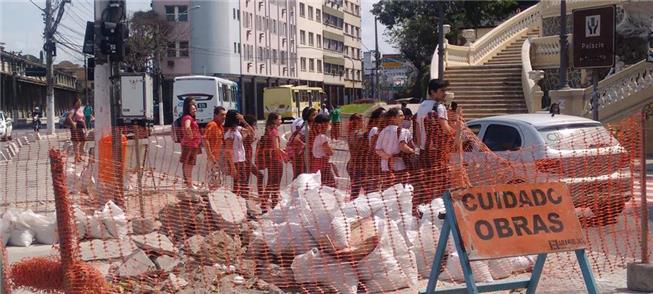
column 363, row 224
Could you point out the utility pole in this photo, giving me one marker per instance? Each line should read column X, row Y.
column 50, row 50
column 440, row 40
column 377, row 59
column 564, row 45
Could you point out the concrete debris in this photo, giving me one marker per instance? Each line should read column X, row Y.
column 144, row 226
column 166, row 263
column 277, row 275
column 193, row 245
column 229, row 210
column 253, row 209
column 106, row 249
column 220, row 247
column 156, row 242
column 247, row 268
column 138, row 263
column 175, row 283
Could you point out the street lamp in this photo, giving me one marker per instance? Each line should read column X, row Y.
column 564, row 44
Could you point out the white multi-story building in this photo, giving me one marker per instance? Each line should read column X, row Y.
column 261, row 43
column 329, row 48
column 252, row 42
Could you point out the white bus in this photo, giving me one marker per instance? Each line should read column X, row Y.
column 208, row 92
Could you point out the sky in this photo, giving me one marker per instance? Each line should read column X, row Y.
column 21, row 26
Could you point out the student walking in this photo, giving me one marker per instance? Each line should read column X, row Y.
column 372, row 168
column 237, row 130
column 75, row 121
column 295, row 148
column 190, row 142
column 391, row 143
column 270, row 158
column 335, row 121
column 356, row 165
column 214, row 139
column 435, row 138
column 322, row 152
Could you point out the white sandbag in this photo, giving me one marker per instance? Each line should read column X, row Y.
column 397, row 200
column 314, row 267
column 425, row 246
column 73, row 179
column 44, row 227
column 391, row 265
column 115, row 220
column 431, row 211
column 505, row 267
column 290, row 236
column 304, row 182
column 81, row 221
column 341, row 231
column 7, row 224
column 22, row 235
column 454, row 272
column 318, row 207
column 363, row 206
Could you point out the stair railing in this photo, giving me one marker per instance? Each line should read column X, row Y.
column 532, row 92
column 491, row 43
column 624, row 90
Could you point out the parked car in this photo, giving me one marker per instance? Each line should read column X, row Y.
column 537, row 147
column 62, row 120
column 6, row 127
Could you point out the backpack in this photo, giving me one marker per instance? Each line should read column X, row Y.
column 177, row 131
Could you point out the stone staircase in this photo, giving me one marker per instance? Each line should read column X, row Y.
column 493, row 88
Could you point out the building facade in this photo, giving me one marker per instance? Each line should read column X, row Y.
column 262, row 43
column 20, row 94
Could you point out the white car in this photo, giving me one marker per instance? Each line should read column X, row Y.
column 6, row 127
column 537, row 147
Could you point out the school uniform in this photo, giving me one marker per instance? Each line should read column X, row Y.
column 320, row 160
column 389, row 141
column 239, row 157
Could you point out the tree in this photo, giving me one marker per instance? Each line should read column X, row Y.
column 148, row 41
column 412, row 27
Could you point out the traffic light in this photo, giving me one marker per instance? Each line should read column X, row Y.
column 112, row 32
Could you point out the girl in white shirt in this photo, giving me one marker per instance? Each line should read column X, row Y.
column 236, row 129
column 321, row 151
column 372, row 170
column 392, row 142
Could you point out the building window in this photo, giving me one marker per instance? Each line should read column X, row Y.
column 302, row 37
column 274, row 26
column 319, row 41
column 302, row 12
column 177, row 13
column 310, row 39
column 283, row 57
column 177, row 49
column 274, row 56
column 346, row 28
column 235, row 47
column 303, row 63
column 310, row 12
column 311, row 64
column 319, row 65
column 259, row 53
column 234, row 13
column 238, row 14
column 318, row 15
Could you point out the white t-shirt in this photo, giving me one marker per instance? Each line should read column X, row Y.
column 318, row 152
column 297, row 123
column 388, row 142
column 373, row 131
column 239, row 148
column 424, row 109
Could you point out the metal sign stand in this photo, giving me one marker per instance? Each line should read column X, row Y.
column 451, row 227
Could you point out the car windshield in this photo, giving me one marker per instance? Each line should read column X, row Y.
column 577, row 136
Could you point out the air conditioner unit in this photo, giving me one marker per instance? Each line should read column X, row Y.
column 171, row 63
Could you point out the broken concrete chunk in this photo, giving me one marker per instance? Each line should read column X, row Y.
column 155, row 242
column 106, row 249
column 220, row 247
column 176, row 283
column 194, row 244
column 228, row 209
column 166, row 263
column 143, row 226
column 138, row 263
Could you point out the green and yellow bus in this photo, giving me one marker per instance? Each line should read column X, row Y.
column 289, row 100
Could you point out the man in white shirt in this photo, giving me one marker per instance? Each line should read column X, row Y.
column 437, row 95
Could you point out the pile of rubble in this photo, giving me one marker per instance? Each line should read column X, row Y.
column 315, row 238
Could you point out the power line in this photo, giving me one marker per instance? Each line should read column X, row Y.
column 73, row 30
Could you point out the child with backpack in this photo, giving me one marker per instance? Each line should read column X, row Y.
column 270, row 157
column 322, row 152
